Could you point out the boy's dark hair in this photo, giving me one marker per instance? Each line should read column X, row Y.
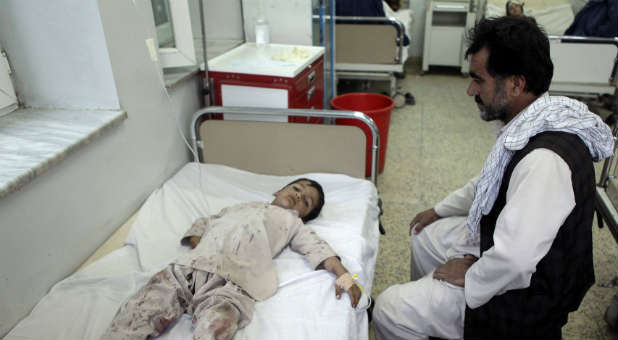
column 316, row 210
column 517, row 46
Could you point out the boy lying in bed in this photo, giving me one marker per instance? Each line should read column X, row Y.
column 230, row 267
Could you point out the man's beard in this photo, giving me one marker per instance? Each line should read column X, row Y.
column 498, row 108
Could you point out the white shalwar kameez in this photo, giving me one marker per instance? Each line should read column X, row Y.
column 540, row 183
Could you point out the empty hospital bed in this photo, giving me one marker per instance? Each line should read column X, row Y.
column 373, row 48
column 245, row 161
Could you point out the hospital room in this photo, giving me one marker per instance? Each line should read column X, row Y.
column 308, row 169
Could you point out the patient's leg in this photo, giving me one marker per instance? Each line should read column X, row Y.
column 217, row 322
column 156, row 305
column 220, row 308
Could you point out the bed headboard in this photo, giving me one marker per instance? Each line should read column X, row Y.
column 353, row 34
column 352, row 46
column 284, row 148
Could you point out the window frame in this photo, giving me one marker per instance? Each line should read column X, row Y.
column 8, row 97
column 183, row 54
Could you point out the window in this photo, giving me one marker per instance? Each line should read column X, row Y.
column 174, row 33
column 8, row 99
column 163, row 23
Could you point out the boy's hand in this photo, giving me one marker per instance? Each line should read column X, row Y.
column 344, row 279
column 346, row 282
column 353, row 292
column 194, row 240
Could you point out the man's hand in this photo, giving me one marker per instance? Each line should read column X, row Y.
column 454, row 270
column 353, row 292
column 423, row 219
column 194, row 240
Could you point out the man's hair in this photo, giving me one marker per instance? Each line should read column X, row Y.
column 517, row 46
column 315, row 212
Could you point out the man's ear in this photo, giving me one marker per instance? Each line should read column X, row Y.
column 517, row 85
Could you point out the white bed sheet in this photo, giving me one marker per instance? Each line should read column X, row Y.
column 555, row 16
column 406, row 16
column 304, row 307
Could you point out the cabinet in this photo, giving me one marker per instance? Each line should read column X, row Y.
column 275, row 75
column 446, row 24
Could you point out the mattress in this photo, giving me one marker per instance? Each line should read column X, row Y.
column 304, row 307
column 555, row 16
column 406, row 17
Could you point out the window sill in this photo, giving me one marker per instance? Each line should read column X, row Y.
column 173, row 76
column 33, row 140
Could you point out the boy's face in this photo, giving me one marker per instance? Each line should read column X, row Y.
column 299, row 196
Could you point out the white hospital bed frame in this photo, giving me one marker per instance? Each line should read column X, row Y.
column 272, row 134
column 579, row 69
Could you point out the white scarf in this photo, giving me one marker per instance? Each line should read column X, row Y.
column 547, row 113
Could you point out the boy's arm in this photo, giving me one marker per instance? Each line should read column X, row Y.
column 305, row 241
column 193, row 236
column 344, row 282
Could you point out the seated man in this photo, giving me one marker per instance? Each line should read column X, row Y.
column 230, row 267
column 509, row 255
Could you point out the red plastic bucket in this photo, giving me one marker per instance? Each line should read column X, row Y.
column 376, row 106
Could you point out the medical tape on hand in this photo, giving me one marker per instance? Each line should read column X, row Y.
column 344, row 281
column 365, row 300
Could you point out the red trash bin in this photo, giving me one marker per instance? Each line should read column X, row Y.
column 374, row 105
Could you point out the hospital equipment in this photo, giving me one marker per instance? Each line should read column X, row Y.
column 372, row 48
column 89, row 298
column 583, row 66
column 272, row 75
column 446, row 24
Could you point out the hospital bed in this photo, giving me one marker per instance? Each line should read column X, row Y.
column 238, row 161
column 372, row 48
column 555, row 16
column 583, row 66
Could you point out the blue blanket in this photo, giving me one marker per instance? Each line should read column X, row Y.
column 599, row 18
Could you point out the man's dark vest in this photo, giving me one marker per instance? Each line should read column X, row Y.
column 563, row 276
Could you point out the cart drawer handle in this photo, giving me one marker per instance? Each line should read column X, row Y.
column 310, row 93
column 311, row 77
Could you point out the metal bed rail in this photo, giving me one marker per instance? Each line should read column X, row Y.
column 605, row 205
column 254, row 114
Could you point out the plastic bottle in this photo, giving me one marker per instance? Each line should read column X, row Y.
column 262, row 34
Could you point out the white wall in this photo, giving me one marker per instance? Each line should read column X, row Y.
column 53, row 223
column 81, row 65
column 418, row 27
column 223, row 20
column 289, row 20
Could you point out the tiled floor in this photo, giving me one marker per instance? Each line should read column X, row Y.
column 435, row 147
